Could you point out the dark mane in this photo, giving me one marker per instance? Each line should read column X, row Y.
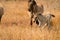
column 34, row 3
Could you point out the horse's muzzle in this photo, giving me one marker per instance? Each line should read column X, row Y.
column 29, row 10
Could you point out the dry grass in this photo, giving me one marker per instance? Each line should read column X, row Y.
column 15, row 24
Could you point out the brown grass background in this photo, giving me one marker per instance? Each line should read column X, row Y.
column 15, row 21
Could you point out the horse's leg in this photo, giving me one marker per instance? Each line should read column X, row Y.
column 39, row 23
column 48, row 24
column 31, row 19
column 44, row 25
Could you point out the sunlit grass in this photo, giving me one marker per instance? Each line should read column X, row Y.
column 15, row 24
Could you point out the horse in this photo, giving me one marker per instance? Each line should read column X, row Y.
column 43, row 19
column 34, row 9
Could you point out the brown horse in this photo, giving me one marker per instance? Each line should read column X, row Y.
column 34, row 9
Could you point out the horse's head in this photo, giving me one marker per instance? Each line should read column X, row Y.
column 30, row 7
column 36, row 20
column 31, row 3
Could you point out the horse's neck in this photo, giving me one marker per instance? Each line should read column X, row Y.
column 35, row 8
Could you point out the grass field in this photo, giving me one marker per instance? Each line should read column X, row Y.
column 15, row 24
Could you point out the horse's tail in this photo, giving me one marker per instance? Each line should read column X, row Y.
column 52, row 15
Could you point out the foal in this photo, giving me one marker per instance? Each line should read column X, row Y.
column 34, row 9
column 43, row 20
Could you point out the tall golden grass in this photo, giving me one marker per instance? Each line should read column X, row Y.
column 15, row 24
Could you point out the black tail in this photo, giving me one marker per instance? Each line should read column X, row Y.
column 52, row 15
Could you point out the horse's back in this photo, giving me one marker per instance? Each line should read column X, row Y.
column 40, row 9
column 41, row 18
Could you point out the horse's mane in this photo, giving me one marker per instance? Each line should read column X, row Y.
column 34, row 3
